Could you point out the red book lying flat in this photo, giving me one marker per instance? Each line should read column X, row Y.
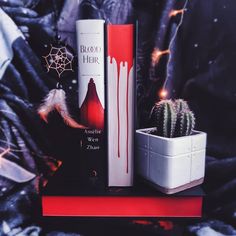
column 138, row 201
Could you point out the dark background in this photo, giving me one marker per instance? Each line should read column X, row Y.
column 202, row 70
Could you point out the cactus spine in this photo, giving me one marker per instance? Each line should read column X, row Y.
column 165, row 118
column 180, row 105
column 185, row 123
column 173, row 118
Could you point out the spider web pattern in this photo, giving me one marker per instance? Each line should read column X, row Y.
column 59, row 59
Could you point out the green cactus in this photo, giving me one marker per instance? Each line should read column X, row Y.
column 165, row 118
column 185, row 123
column 173, row 118
column 180, row 105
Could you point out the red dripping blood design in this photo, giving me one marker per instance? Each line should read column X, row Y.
column 121, row 49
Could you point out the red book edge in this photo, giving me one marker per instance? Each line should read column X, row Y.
column 112, row 206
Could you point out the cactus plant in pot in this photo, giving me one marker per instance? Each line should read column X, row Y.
column 171, row 155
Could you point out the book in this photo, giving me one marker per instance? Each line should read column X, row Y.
column 120, row 104
column 65, row 199
column 91, row 92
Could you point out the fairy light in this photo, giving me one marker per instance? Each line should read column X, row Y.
column 157, row 54
column 6, row 151
column 176, row 12
column 163, row 93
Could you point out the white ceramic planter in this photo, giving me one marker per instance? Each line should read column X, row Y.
column 171, row 164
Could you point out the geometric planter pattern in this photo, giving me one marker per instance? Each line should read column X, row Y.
column 171, row 164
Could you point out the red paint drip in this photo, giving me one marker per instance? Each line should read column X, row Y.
column 127, row 123
column 118, row 109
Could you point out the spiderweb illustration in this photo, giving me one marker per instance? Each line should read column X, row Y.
column 59, row 59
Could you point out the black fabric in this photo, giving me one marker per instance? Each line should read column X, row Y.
column 201, row 70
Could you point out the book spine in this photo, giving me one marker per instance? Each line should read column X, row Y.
column 120, row 104
column 91, row 90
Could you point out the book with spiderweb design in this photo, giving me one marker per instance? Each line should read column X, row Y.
column 91, row 81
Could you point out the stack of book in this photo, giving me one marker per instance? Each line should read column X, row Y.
column 106, row 79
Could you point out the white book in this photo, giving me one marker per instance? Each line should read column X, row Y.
column 120, row 104
column 91, row 98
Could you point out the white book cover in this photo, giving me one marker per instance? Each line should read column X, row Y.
column 120, row 104
column 91, row 99
column 90, row 44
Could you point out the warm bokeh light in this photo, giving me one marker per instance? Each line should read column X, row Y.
column 163, row 94
column 176, row 12
column 157, row 54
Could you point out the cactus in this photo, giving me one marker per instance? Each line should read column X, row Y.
column 185, row 123
column 165, row 118
column 181, row 105
column 173, row 118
